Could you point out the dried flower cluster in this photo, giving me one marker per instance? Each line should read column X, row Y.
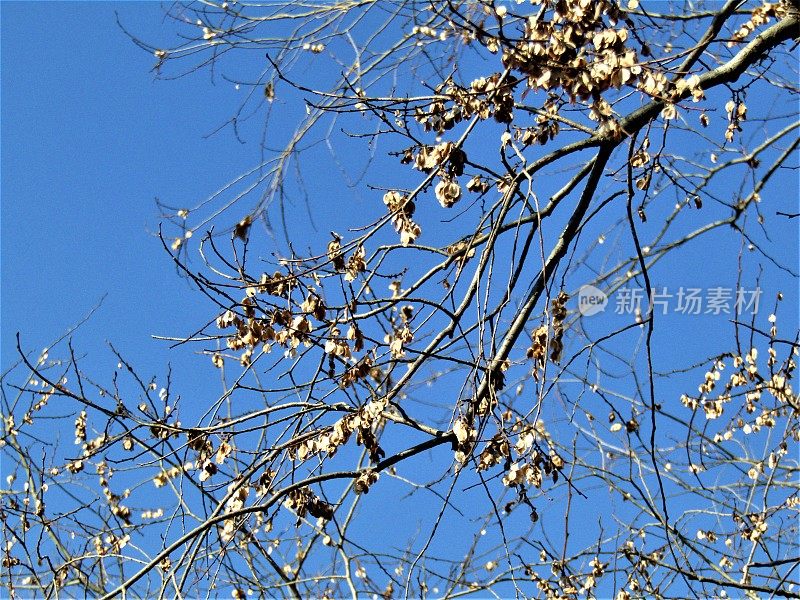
column 548, row 341
column 303, row 501
column 530, row 135
column 363, row 423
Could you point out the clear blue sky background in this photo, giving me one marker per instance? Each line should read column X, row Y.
column 90, row 138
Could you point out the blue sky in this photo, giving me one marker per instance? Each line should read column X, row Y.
column 90, row 138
